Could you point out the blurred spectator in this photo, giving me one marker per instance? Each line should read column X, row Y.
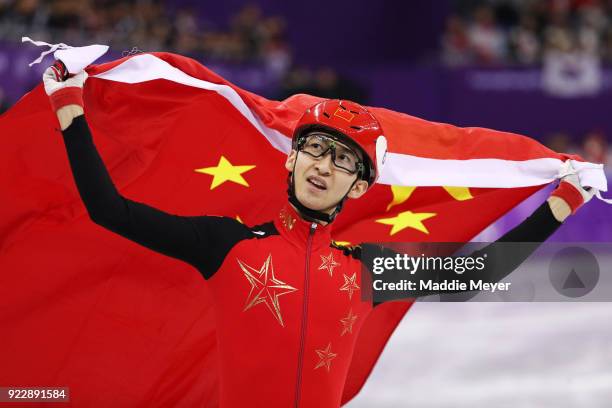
column 606, row 50
column 22, row 16
column 487, row 40
column 275, row 51
column 247, row 25
column 65, row 14
column 455, row 43
column 496, row 33
column 328, row 84
column 595, row 147
column 298, row 80
column 524, row 40
column 249, row 37
column 149, row 26
column 561, row 142
column 324, row 82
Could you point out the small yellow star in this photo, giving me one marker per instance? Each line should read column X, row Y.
column 226, row 171
column 459, row 193
column 265, row 288
column 349, row 284
column 327, row 262
column 407, row 219
column 400, row 195
column 325, row 356
column 347, row 323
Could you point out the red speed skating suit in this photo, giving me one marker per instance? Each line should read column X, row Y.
column 288, row 311
column 288, row 301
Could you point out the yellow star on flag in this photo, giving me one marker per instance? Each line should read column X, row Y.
column 265, row 287
column 401, row 194
column 226, row 171
column 349, row 285
column 325, row 357
column 459, row 193
column 407, row 219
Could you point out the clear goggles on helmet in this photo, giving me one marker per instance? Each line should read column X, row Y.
column 318, row 144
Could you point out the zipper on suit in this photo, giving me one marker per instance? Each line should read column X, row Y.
column 298, row 383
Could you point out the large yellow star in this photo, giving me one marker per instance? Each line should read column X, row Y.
column 325, row 357
column 226, row 171
column 265, row 288
column 347, row 323
column 350, row 285
column 407, row 219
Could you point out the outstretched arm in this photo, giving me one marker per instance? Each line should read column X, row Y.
column 503, row 259
column 169, row 234
column 197, row 240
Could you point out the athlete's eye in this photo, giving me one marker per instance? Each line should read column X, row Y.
column 315, row 146
column 344, row 158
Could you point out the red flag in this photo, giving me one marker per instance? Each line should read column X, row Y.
column 115, row 322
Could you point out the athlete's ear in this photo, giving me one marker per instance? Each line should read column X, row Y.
column 291, row 158
column 359, row 189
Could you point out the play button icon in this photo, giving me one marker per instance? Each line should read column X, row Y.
column 573, row 281
column 574, row 272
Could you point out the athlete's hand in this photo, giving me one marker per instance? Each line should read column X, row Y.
column 62, row 91
column 571, row 192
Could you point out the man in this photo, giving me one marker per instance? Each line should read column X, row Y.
column 288, row 301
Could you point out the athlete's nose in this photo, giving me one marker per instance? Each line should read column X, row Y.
column 324, row 164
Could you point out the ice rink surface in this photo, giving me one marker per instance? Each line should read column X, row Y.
column 496, row 355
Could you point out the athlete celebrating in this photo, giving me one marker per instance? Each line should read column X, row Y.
column 288, row 301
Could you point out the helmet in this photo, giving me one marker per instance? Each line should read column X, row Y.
column 352, row 124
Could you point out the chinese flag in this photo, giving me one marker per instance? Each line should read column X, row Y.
column 126, row 327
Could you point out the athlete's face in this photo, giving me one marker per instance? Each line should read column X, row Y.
column 319, row 183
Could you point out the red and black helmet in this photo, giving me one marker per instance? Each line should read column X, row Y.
column 352, row 124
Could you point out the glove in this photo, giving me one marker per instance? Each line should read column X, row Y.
column 62, row 91
column 570, row 190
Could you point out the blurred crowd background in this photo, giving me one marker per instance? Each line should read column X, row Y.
column 557, row 49
column 541, row 68
column 527, row 32
column 246, row 36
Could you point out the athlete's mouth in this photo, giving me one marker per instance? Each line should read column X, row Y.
column 317, row 182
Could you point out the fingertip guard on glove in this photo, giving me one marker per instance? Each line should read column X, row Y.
column 63, row 91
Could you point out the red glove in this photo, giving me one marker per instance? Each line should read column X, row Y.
column 62, row 90
column 571, row 191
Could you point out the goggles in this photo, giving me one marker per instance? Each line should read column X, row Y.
column 318, row 145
